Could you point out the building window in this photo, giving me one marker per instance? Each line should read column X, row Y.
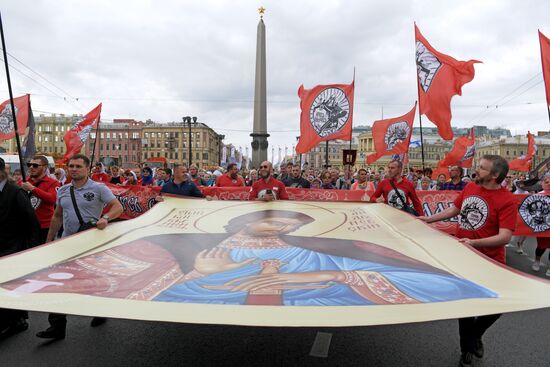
column 145, row 155
column 135, row 135
column 198, row 155
column 108, row 135
column 92, row 135
column 126, row 147
column 176, row 155
column 56, row 139
column 101, row 146
column 205, row 156
column 101, row 135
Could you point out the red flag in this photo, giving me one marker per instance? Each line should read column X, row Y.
column 392, row 136
column 22, row 107
column 545, row 58
column 462, row 154
column 440, row 77
column 76, row 137
column 327, row 114
column 523, row 163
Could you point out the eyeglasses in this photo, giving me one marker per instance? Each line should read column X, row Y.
column 75, row 166
column 34, row 165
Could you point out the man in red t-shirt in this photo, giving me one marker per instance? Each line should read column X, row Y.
column 487, row 218
column 404, row 186
column 43, row 192
column 267, row 188
column 231, row 178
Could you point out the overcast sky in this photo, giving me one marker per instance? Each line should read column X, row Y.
column 167, row 59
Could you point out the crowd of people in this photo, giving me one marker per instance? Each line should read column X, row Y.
column 58, row 203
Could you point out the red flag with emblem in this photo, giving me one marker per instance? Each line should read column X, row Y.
column 462, row 155
column 545, row 58
column 392, row 136
column 22, row 107
column 440, row 77
column 76, row 137
column 327, row 114
column 523, row 163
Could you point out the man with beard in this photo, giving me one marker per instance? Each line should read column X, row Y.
column 267, row 188
column 295, row 179
column 18, row 231
column 487, row 218
column 231, row 178
column 43, row 192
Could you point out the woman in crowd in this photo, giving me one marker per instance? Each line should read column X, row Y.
column 146, row 176
column 252, row 177
column 130, row 178
column 362, row 183
column 115, row 175
column 326, row 180
column 17, row 176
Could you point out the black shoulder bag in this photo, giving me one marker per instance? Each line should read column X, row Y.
column 83, row 226
column 406, row 208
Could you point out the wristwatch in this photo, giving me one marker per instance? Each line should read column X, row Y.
column 106, row 217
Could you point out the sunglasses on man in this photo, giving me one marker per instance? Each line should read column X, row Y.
column 34, row 165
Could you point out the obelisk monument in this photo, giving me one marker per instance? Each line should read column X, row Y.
column 259, row 133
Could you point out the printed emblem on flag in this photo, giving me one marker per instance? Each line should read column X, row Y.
column 470, row 151
column 427, row 65
column 535, row 212
column 83, row 135
column 396, row 134
column 329, row 111
column 6, row 119
column 473, row 214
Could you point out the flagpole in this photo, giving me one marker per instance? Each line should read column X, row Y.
column 419, row 104
column 326, row 156
column 95, row 143
column 13, row 114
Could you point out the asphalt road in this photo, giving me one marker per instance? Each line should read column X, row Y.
column 517, row 339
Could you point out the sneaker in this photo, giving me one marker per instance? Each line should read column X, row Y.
column 479, row 350
column 536, row 266
column 466, row 359
column 548, row 273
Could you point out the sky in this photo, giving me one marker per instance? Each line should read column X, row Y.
column 162, row 60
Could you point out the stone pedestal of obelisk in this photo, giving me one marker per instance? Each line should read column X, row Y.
column 259, row 133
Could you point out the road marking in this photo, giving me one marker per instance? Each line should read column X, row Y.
column 321, row 344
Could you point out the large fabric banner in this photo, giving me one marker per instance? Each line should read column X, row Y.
column 135, row 200
column 284, row 263
column 533, row 210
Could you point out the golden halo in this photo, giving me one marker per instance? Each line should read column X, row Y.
column 325, row 220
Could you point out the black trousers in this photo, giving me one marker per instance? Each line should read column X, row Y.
column 472, row 328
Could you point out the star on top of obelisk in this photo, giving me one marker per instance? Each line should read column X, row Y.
column 261, row 10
